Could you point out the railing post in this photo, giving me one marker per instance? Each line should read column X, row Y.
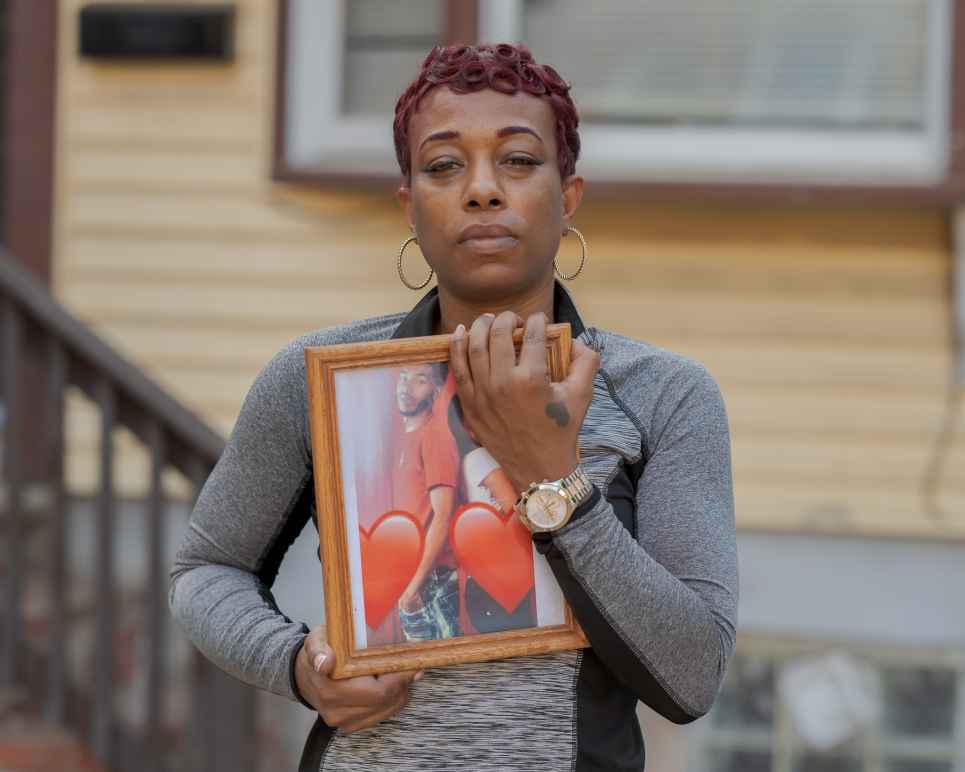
column 228, row 739
column 10, row 345
column 103, row 710
column 236, row 730
column 204, row 715
column 204, row 705
column 156, row 602
column 57, row 530
column 225, row 709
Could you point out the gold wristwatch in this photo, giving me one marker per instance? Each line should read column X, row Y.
column 548, row 505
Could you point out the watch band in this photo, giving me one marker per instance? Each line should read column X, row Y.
column 577, row 486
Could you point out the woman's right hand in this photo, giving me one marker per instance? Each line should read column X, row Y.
column 348, row 703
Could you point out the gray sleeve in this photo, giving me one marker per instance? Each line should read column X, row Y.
column 249, row 511
column 661, row 610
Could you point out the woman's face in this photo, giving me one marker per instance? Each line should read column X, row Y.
column 485, row 196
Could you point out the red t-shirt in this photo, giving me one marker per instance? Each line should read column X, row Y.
column 427, row 457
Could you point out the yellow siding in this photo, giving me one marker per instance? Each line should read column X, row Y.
column 827, row 327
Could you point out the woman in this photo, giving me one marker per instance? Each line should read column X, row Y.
column 487, row 143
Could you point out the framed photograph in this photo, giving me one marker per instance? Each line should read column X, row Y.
column 425, row 562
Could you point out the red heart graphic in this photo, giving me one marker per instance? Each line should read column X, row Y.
column 391, row 551
column 496, row 549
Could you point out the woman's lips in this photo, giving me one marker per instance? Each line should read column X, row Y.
column 489, row 245
column 488, row 238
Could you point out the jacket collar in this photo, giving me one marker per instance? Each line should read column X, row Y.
column 423, row 319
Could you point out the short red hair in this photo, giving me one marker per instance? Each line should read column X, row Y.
column 502, row 67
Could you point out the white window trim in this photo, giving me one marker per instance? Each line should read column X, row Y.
column 844, row 158
column 317, row 136
column 319, row 139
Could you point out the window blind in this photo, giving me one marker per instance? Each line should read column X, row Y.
column 813, row 64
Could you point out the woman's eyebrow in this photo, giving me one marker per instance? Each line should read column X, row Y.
column 503, row 132
column 438, row 136
column 507, row 130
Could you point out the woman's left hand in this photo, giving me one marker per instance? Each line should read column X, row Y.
column 529, row 424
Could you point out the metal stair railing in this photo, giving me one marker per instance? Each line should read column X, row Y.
column 221, row 728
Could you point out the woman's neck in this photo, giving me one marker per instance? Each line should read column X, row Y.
column 455, row 310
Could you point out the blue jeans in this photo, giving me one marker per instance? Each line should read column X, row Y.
column 439, row 615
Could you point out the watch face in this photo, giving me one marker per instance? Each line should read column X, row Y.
column 546, row 509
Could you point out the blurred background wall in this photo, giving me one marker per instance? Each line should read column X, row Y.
column 772, row 188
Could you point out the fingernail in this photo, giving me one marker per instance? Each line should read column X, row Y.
column 488, row 315
column 418, row 676
column 318, row 662
column 460, row 329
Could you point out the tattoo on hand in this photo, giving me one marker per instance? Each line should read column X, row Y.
column 558, row 412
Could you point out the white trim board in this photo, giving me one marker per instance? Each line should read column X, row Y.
column 849, row 588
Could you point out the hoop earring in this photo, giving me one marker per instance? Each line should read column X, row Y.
column 582, row 258
column 402, row 273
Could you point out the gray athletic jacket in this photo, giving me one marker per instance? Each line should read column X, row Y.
column 649, row 566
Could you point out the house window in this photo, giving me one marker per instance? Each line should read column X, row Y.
column 802, row 91
column 920, row 726
column 827, row 93
column 345, row 65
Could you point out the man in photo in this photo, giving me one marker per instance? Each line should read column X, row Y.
column 424, row 480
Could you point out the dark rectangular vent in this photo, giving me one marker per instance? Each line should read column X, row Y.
column 128, row 31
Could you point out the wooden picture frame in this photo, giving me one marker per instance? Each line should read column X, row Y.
column 368, row 542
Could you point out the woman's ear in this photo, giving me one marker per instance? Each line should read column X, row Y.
column 404, row 194
column 572, row 196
